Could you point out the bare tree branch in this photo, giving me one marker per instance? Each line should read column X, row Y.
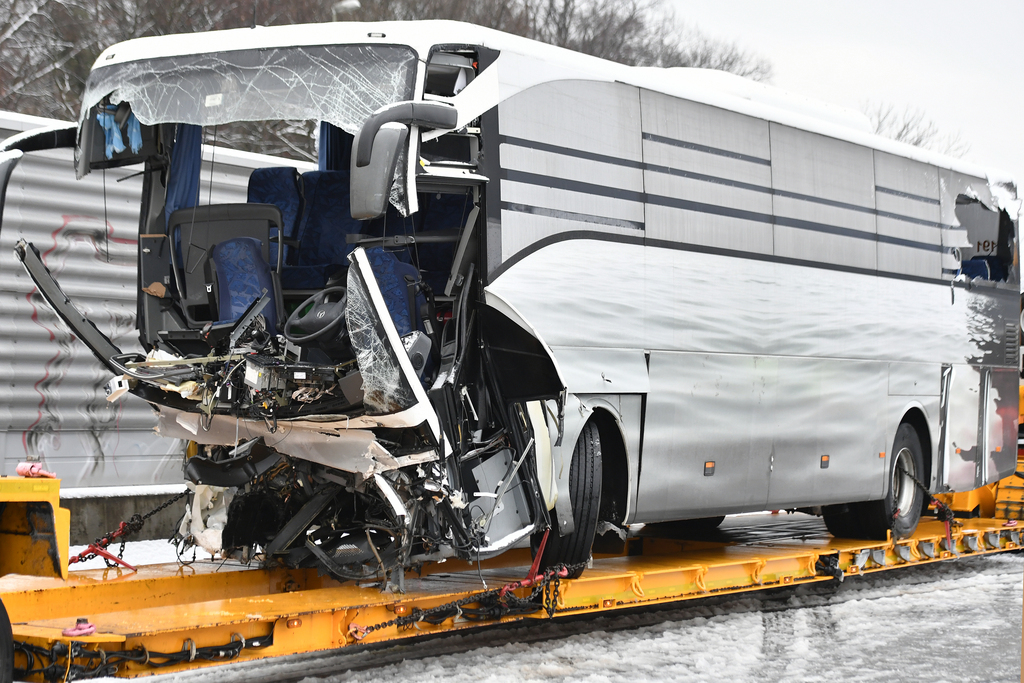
column 912, row 126
column 16, row 21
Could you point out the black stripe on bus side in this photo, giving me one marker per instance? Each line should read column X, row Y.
column 707, row 150
column 906, row 195
column 856, row 234
column 790, row 195
column 856, row 207
column 704, row 249
column 569, row 151
column 717, row 180
column 911, row 219
column 785, row 221
column 713, row 209
column 571, row 185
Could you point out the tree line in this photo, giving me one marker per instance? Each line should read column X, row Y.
column 47, row 48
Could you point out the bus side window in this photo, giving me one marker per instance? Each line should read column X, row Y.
column 991, row 234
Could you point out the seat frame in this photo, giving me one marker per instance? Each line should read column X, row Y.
column 202, row 227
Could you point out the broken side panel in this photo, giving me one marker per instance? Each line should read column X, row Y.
column 979, row 426
column 961, row 461
column 978, row 231
column 1001, row 416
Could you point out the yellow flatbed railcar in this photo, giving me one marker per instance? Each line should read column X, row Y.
column 168, row 617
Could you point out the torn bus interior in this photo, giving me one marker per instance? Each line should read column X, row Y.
column 354, row 403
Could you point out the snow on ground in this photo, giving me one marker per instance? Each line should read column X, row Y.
column 136, row 553
column 122, row 491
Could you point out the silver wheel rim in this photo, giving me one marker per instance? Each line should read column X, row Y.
column 902, row 483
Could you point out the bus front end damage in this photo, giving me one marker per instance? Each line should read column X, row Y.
column 381, row 459
column 392, row 413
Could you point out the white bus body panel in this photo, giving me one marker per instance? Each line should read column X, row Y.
column 790, row 293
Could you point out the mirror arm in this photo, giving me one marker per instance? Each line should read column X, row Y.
column 426, row 114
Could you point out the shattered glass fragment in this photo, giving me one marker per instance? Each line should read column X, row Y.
column 398, row 196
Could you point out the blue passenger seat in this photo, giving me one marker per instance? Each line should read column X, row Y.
column 323, row 230
column 985, row 266
column 440, row 214
column 398, row 284
column 282, row 187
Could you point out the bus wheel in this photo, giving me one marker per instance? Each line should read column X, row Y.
column 905, row 500
column 6, row 647
column 900, row 510
column 585, row 495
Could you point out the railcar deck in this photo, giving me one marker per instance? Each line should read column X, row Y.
column 171, row 618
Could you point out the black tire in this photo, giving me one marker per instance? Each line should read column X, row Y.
column 901, row 508
column 840, row 520
column 702, row 525
column 585, row 495
column 6, row 647
column 699, row 528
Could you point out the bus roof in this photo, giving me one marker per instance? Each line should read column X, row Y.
column 551, row 63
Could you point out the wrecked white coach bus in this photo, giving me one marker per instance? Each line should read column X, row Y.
column 532, row 292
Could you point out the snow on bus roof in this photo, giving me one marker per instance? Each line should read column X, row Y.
column 715, row 88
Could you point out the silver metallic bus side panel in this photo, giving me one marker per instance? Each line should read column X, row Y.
column 544, row 190
column 759, row 243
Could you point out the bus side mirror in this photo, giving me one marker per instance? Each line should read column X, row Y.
column 378, row 144
column 371, row 184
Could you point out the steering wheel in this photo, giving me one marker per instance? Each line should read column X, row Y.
column 323, row 318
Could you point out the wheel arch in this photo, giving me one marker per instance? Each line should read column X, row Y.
column 614, row 464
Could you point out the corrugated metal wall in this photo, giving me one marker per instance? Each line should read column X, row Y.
column 52, row 404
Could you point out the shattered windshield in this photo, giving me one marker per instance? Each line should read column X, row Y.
column 341, row 84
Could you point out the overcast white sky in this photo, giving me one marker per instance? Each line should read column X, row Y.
column 961, row 62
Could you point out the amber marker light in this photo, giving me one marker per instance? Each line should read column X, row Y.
column 294, row 623
column 401, row 610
